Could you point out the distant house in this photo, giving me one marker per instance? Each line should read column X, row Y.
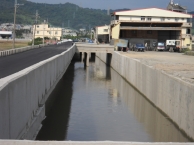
column 103, row 33
column 44, row 30
column 5, row 34
column 69, row 31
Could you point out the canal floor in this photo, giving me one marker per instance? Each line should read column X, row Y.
column 96, row 104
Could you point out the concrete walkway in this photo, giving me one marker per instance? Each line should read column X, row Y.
column 176, row 64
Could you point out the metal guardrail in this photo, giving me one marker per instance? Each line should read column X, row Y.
column 18, row 50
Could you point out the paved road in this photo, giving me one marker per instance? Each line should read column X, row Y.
column 14, row 63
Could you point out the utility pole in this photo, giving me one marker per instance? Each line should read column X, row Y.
column 43, row 30
column 34, row 31
column 16, row 5
column 50, row 34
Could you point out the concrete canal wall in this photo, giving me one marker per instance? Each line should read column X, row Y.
column 23, row 95
column 170, row 94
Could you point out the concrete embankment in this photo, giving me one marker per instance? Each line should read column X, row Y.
column 25, row 142
column 173, row 95
column 23, row 95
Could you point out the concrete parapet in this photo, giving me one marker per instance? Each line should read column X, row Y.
column 170, row 94
column 26, row 142
column 23, row 95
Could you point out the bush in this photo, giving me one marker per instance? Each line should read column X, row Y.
column 189, row 53
column 35, row 42
column 183, row 50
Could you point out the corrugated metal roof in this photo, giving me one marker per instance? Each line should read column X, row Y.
column 5, row 32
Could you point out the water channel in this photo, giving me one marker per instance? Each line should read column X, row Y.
column 96, row 104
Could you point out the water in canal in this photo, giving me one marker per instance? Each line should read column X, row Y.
column 96, row 104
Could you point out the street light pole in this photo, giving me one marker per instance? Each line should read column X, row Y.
column 15, row 10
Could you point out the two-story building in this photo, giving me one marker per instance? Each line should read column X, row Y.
column 151, row 25
column 44, row 30
column 103, row 33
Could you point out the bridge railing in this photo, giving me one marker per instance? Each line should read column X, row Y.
column 18, row 50
column 23, row 95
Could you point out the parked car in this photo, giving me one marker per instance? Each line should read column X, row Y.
column 160, row 46
column 139, row 47
column 75, row 40
column 90, row 41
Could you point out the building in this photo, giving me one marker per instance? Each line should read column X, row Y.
column 151, row 25
column 102, row 33
column 69, row 31
column 5, row 34
column 176, row 7
column 44, row 30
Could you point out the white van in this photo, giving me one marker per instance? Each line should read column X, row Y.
column 160, row 46
column 175, row 44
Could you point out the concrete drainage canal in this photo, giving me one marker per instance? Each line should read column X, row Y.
column 96, row 104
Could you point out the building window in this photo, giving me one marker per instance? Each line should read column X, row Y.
column 37, row 26
column 188, row 20
column 142, row 18
column 188, row 44
column 176, row 19
column 149, row 18
column 56, row 33
column 105, row 30
column 149, row 32
column 37, row 32
column 183, row 19
column 188, row 31
column 162, row 19
column 134, row 32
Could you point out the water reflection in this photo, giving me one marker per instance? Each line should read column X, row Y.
column 154, row 122
column 97, row 104
column 58, row 108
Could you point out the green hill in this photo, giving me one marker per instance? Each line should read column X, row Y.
column 57, row 14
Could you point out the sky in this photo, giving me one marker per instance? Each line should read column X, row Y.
column 118, row 4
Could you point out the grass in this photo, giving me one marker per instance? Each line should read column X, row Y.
column 5, row 45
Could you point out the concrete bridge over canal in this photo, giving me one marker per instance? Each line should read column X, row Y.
column 26, row 81
column 87, row 48
column 31, row 87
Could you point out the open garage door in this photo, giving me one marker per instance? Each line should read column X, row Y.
column 169, row 35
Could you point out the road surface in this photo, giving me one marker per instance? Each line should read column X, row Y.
column 14, row 63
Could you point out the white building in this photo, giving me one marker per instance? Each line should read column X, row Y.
column 151, row 24
column 5, row 34
column 69, row 31
column 44, row 30
column 103, row 33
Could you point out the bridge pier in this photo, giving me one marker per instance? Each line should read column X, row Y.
column 87, row 49
column 82, row 57
column 88, row 58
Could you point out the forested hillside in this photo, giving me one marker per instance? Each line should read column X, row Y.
column 57, row 14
